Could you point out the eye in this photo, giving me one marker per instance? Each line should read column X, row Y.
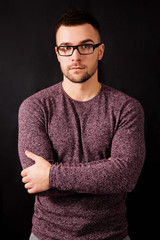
column 65, row 48
column 86, row 46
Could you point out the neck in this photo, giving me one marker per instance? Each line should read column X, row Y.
column 82, row 91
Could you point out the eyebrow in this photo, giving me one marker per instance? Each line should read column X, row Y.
column 82, row 42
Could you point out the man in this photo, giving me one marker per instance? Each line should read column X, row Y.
column 81, row 143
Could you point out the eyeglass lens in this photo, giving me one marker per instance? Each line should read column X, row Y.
column 83, row 49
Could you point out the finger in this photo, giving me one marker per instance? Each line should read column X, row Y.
column 24, row 173
column 31, row 191
column 25, row 180
column 28, row 185
column 32, row 156
column 109, row 158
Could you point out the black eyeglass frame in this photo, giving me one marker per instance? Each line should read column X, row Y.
column 76, row 47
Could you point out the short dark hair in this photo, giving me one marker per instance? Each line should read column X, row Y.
column 74, row 17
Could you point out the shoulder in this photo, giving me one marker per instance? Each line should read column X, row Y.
column 118, row 98
column 120, row 102
column 41, row 99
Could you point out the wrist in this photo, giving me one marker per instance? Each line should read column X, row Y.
column 51, row 176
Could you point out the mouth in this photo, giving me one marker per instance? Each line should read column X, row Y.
column 77, row 68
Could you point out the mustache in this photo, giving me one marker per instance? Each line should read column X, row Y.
column 76, row 66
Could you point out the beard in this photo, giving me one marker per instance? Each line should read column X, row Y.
column 77, row 77
column 83, row 78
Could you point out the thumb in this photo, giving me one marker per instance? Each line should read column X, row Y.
column 32, row 156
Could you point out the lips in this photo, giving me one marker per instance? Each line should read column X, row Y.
column 77, row 68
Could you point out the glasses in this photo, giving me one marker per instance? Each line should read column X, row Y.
column 83, row 49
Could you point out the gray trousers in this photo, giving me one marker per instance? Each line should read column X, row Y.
column 33, row 237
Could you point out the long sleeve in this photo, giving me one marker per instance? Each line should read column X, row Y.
column 87, row 194
column 48, row 127
column 33, row 133
column 120, row 174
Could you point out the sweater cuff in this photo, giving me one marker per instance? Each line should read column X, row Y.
column 52, row 176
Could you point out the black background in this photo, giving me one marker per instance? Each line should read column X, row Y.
column 131, row 33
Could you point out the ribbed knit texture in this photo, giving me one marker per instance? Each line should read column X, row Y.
column 86, row 199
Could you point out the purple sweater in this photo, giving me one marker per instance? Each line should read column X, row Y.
column 86, row 199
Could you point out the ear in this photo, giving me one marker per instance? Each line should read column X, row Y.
column 101, row 51
column 57, row 54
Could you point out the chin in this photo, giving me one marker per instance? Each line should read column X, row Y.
column 79, row 80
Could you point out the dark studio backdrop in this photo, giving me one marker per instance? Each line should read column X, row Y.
column 28, row 64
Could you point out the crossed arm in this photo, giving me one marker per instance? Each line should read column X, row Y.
column 99, row 177
column 36, row 177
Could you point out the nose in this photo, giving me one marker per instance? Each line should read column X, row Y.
column 76, row 56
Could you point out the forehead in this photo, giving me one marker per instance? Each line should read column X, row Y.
column 76, row 34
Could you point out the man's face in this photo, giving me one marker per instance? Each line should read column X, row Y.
column 79, row 68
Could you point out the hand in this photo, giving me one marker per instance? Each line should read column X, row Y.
column 36, row 177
